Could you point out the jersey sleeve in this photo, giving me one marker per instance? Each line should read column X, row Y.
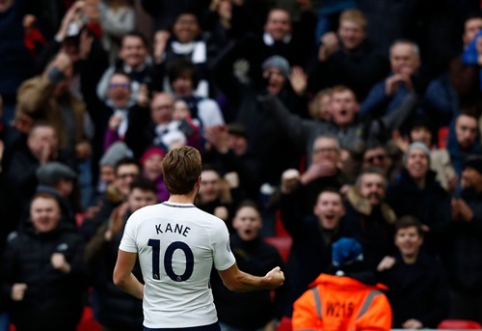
column 128, row 242
column 222, row 255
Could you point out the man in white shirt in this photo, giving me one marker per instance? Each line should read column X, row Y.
column 177, row 245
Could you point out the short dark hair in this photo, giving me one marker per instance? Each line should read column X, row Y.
column 182, row 67
column 370, row 171
column 126, row 161
column 330, row 190
column 181, row 169
column 472, row 16
column 247, row 203
column 408, row 222
column 137, row 35
column 143, row 184
column 210, row 167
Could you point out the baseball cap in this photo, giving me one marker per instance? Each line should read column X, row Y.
column 52, row 172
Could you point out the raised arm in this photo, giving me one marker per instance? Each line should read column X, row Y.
column 239, row 281
column 298, row 128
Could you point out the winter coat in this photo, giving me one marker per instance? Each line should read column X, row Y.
column 342, row 303
column 359, row 70
column 117, row 309
column 371, row 226
column 53, row 299
column 462, row 247
column 419, row 291
column 350, row 137
column 310, row 252
column 430, row 205
column 36, row 99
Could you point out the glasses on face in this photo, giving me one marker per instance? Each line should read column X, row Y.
column 119, row 85
column 325, row 150
column 379, row 157
column 162, row 107
column 128, row 175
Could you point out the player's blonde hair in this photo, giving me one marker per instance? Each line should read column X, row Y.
column 181, row 168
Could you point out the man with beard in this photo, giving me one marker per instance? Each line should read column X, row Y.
column 312, row 235
column 461, row 251
column 417, row 193
column 369, row 219
column 350, row 131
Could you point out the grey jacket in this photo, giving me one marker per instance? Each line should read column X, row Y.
column 351, row 137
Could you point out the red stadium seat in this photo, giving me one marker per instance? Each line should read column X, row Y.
column 443, row 134
column 283, row 244
column 285, row 324
column 87, row 323
column 280, row 230
column 459, row 325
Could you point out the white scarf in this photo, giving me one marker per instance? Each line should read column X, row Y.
column 197, row 48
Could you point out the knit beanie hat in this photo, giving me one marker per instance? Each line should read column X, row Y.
column 346, row 251
column 279, row 62
column 416, row 145
column 152, row 151
column 114, row 154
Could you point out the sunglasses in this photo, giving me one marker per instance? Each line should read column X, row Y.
column 379, row 157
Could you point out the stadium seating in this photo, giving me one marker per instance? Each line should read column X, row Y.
column 459, row 325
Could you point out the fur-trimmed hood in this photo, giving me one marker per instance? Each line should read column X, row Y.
column 363, row 206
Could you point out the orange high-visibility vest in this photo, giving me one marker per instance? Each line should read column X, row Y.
column 338, row 303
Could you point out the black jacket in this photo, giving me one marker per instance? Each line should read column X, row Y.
column 372, row 227
column 359, row 70
column 462, row 248
column 253, row 310
column 117, row 309
column 431, row 205
column 418, row 291
column 53, row 300
column 310, row 252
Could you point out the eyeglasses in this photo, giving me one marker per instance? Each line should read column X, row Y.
column 325, row 150
column 379, row 157
column 162, row 107
column 128, row 175
column 121, row 85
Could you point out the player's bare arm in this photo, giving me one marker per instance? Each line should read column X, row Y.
column 123, row 276
column 239, row 281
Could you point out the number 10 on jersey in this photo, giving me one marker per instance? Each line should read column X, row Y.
column 156, row 259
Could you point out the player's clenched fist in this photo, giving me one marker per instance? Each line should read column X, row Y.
column 275, row 278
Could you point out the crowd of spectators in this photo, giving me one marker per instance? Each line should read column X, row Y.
column 335, row 118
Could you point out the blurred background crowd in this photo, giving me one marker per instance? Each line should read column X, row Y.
column 316, row 120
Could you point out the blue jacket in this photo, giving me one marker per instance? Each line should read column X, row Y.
column 457, row 156
column 439, row 100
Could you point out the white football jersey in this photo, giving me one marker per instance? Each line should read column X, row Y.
column 177, row 245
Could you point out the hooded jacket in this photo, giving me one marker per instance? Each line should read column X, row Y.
column 342, row 303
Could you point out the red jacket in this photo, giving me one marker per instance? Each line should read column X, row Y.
column 338, row 303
